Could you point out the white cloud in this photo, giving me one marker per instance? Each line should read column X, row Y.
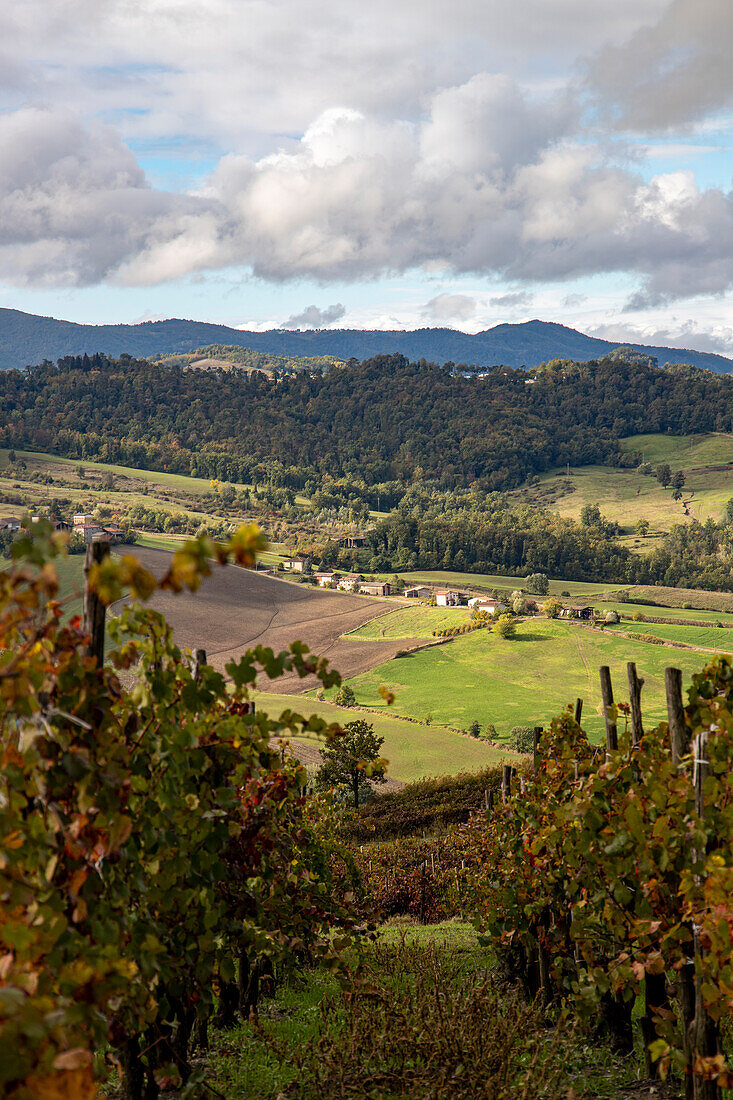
column 450, row 307
column 313, row 317
column 358, row 198
column 688, row 334
column 671, row 71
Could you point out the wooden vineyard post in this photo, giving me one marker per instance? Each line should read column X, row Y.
column 705, row 1032
column 536, row 753
column 578, row 710
column 199, row 660
column 94, row 609
column 506, row 782
column 635, row 686
column 678, row 730
column 607, row 696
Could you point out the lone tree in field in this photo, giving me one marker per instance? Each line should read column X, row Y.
column 664, row 474
column 345, row 758
column 538, row 584
column 504, row 627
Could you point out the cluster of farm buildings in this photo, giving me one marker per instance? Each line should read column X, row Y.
column 443, row 597
column 84, row 525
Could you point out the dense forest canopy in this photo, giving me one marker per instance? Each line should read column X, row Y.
column 385, row 419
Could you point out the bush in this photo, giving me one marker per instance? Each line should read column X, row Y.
column 489, row 732
column 345, row 697
column 504, row 627
column 521, row 739
column 612, row 617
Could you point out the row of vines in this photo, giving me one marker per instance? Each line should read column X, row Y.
column 603, row 880
column 158, row 862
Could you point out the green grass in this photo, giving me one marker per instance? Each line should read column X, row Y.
column 707, row 637
column 491, row 580
column 413, row 622
column 37, row 459
column 626, row 496
column 70, row 570
column 414, row 751
column 626, row 610
column 524, row 681
column 683, row 452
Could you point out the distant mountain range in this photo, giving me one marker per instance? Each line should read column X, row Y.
column 26, row 339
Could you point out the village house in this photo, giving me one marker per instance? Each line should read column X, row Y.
column 447, row 599
column 419, row 592
column 375, row 588
column 582, row 612
column 81, row 519
column 297, row 565
column 350, row 584
column 10, row 523
column 325, row 580
column 491, row 607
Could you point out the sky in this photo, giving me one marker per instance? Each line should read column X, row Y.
column 390, row 164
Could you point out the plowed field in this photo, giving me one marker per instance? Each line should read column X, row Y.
column 236, row 608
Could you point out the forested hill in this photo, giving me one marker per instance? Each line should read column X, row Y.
column 25, row 338
column 382, row 420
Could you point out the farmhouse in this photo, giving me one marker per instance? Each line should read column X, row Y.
column 351, row 583
column 582, row 612
column 81, row 519
column 447, row 599
column 352, row 542
column 297, row 565
column 10, row 523
column 326, row 579
column 417, row 593
column 375, row 588
column 491, row 607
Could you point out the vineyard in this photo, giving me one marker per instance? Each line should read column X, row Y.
column 164, row 872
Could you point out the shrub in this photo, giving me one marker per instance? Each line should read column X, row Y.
column 505, row 627
column 521, row 739
column 345, row 697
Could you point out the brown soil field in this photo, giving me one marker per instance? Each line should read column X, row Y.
column 235, row 609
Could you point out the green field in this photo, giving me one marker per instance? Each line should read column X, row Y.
column 626, row 496
column 707, row 637
column 413, row 622
column 491, row 580
column 526, row 680
column 413, row 750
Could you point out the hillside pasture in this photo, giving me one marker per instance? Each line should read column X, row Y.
column 413, row 622
column 500, row 582
column 524, row 681
column 626, row 496
column 414, row 751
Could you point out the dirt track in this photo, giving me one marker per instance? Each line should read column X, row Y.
column 237, row 608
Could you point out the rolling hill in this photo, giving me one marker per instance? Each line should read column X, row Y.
column 27, row 339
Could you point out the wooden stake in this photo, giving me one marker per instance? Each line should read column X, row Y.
column 506, row 782
column 536, row 755
column 706, row 1032
column 678, row 730
column 578, row 710
column 94, row 609
column 199, row 660
column 635, row 686
column 607, row 695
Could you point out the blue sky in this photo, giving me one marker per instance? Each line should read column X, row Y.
column 464, row 163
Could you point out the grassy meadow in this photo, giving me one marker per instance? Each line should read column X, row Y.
column 501, row 582
column 526, row 680
column 413, row 750
column 626, row 496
